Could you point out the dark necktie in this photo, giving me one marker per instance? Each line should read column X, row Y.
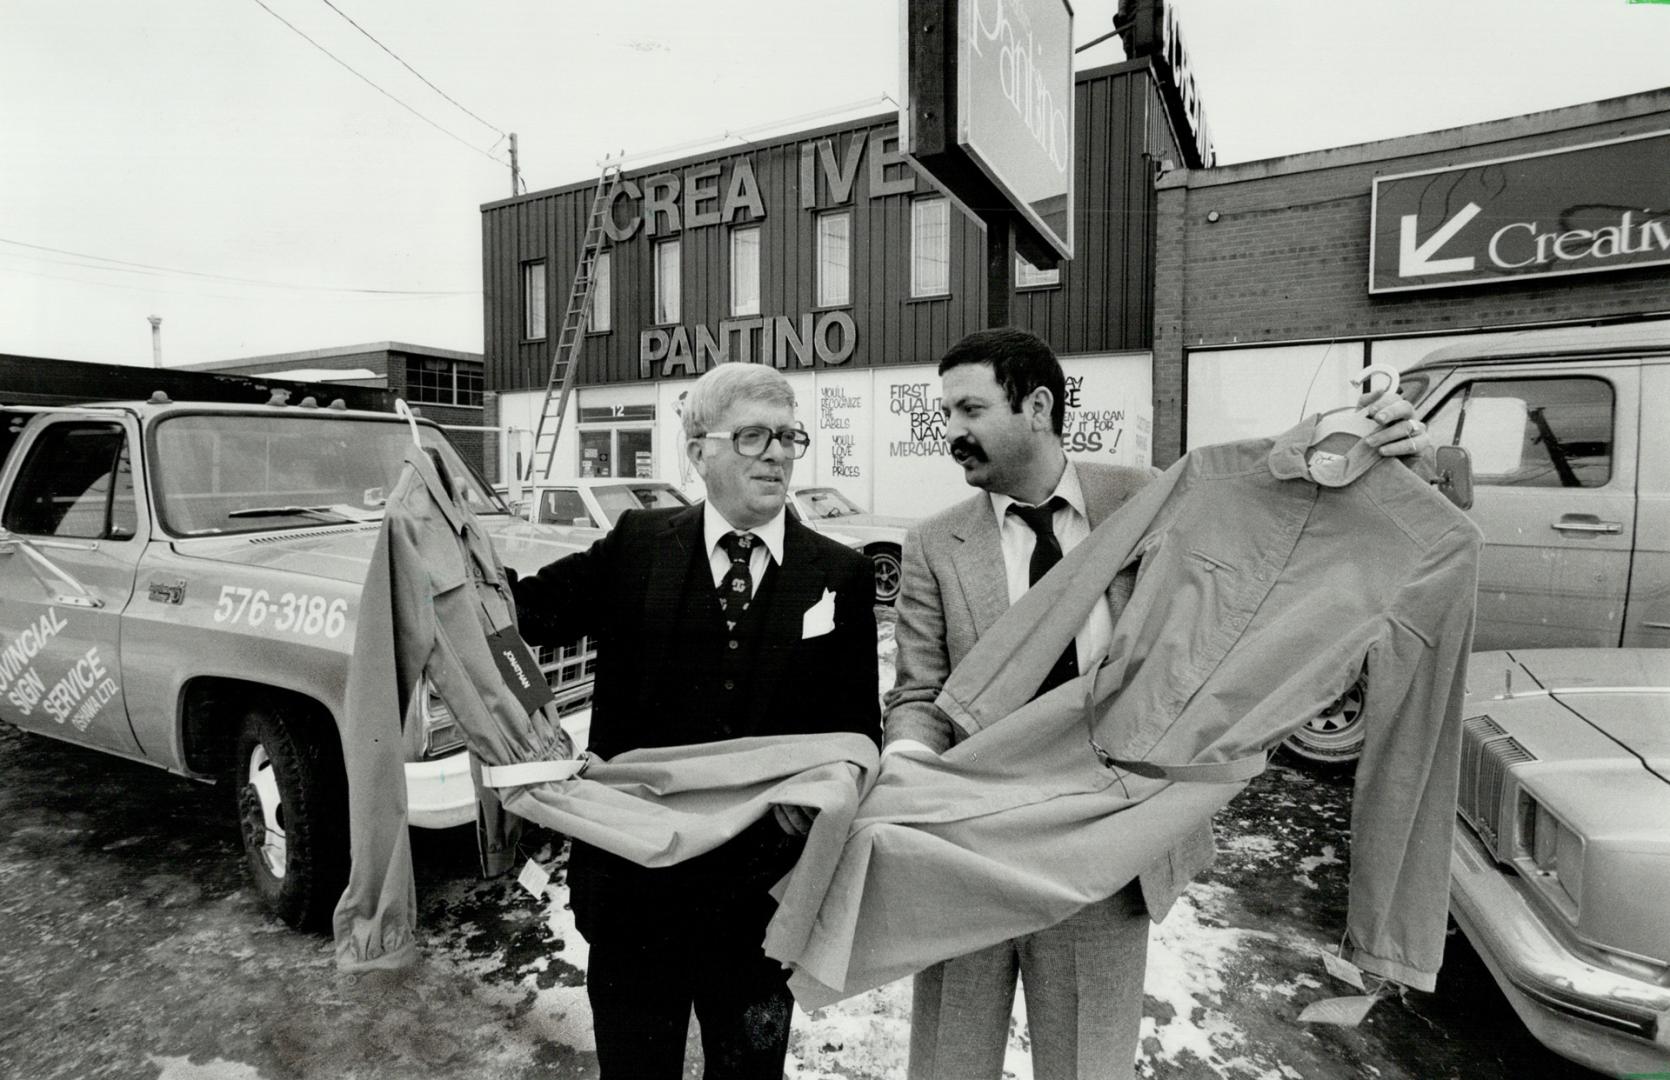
column 736, row 589
column 1046, row 552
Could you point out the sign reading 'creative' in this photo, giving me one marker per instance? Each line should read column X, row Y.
column 1587, row 209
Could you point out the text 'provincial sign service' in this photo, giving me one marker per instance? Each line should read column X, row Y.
column 1583, row 210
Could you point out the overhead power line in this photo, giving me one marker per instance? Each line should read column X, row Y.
column 409, row 67
column 353, row 71
column 125, row 266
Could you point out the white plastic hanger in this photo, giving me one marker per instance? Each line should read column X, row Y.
column 1355, row 421
column 405, row 410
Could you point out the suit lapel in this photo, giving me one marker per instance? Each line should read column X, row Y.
column 795, row 586
column 671, row 554
column 978, row 560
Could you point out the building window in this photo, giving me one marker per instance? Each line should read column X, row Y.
column 835, row 259
column 1028, row 276
column 745, row 271
column 666, row 282
column 597, row 310
column 930, row 247
column 533, row 300
column 431, row 380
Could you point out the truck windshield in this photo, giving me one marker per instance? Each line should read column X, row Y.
column 219, row 473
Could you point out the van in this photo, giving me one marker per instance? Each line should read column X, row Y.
column 1569, row 436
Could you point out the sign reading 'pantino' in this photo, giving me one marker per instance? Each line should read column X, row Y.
column 1587, row 209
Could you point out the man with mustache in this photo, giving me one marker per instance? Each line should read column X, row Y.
column 709, row 622
column 1003, row 398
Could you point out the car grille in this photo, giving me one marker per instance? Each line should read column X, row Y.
column 570, row 670
column 1486, row 754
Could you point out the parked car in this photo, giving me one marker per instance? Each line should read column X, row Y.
column 881, row 538
column 1569, row 434
column 179, row 585
column 1561, row 864
column 596, row 503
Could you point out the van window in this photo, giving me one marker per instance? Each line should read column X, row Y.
column 1554, row 432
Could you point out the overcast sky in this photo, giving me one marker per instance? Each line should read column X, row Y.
column 201, row 161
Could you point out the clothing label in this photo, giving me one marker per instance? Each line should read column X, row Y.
column 519, row 669
column 1343, row 1011
column 1343, row 970
column 534, row 878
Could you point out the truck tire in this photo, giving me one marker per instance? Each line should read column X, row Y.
column 1332, row 740
column 888, row 572
column 292, row 812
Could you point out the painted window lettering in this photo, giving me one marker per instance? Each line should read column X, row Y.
column 297, row 613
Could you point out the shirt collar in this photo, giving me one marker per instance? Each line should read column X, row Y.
column 714, row 527
column 1287, row 454
column 1067, row 488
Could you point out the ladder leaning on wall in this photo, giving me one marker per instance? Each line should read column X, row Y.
column 565, row 358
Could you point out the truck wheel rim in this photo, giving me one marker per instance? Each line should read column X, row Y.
column 274, row 852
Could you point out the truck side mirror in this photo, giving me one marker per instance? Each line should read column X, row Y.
column 1455, row 476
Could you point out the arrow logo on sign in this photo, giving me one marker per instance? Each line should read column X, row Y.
column 1414, row 259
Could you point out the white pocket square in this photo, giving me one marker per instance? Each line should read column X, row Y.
column 819, row 618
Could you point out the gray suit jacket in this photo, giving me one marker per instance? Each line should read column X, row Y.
column 954, row 588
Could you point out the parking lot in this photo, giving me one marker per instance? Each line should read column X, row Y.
column 133, row 947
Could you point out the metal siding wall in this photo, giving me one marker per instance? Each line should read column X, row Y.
column 1103, row 303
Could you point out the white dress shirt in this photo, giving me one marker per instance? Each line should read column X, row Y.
column 1072, row 527
column 715, row 528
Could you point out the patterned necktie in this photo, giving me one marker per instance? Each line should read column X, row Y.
column 737, row 587
column 1046, row 552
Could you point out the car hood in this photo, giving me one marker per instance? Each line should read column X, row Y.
column 869, row 521
column 342, row 553
column 1621, row 697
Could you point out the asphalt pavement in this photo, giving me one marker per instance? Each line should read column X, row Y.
column 132, row 946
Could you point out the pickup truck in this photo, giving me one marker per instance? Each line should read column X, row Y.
column 1569, row 436
column 179, row 585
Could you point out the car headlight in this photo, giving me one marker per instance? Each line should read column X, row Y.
column 1553, row 849
column 441, row 735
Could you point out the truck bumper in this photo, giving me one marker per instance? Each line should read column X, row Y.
column 440, row 794
column 1610, row 1021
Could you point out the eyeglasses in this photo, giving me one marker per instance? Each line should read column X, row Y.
column 752, row 440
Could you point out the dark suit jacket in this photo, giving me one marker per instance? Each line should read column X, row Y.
column 626, row 591
column 954, row 588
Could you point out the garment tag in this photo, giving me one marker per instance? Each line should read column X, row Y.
column 1343, row 970
column 1343, row 1011
column 534, row 878
column 519, row 669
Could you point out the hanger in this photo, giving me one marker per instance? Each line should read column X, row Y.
column 405, row 410
column 1355, row 421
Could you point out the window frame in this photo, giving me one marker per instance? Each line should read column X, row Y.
column 822, row 299
column 43, row 444
column 1040, row 279
column 455, row 392
column 659, row 296
column 1464, row 392
column 738, row 232
column 599, row 305
column 919, row 291
column 536, row 317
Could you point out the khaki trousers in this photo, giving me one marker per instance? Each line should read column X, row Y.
column 1083, row 982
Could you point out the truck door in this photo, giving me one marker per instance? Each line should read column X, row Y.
column 1647, row 620
column 1554, row 494
column 69, row 545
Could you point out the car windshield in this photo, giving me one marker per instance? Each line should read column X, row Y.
column 218, row 473
column 827, row 503
column 615, row 499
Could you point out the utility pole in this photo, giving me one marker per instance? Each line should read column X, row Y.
column 515, row 169
column 156, row 339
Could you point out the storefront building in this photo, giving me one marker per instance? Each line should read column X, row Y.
column 824, row 254
column 442, row 385
column 1277, row 280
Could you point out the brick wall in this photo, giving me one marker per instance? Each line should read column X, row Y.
column 1287, row 258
